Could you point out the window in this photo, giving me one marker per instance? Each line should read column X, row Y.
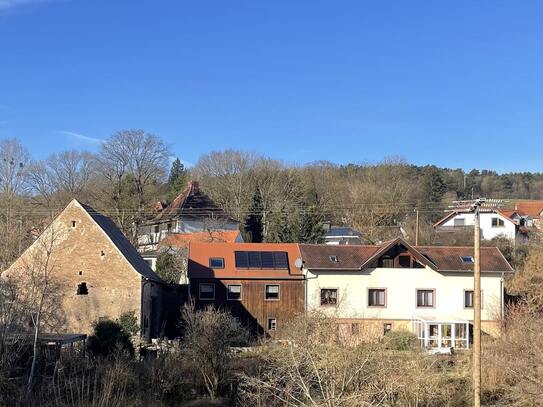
column 377, row 297
column 334, row 259
column 157, row 228
column 234, row 292
column 149, row 262
column 272, row 292
column 328, row 296
column 80, row 273
column 272, row 324
column 216, row 262
column 459, row 222
column 261, row 260
column 169, row 226
column 387, row 328
column 467, row 259
column 73, row 223
column 207, row 291
column 498, row 223
column 404, row 261
column 468, row 299
column 425, row 298
column 82, row 289
column 386, row 262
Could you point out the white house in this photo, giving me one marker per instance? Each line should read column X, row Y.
column 336, row 235
column 427, row 290
column 190, row 212
column 495, row 223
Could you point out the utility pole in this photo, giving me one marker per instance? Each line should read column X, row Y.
column 417, row 228
column 477, row 305
column 475, row 206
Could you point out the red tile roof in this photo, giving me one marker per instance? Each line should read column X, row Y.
column 530, row 208
column 200, row 253
column 212, row 236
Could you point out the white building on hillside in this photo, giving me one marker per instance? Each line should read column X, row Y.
column 427, row 290
column 495, row 223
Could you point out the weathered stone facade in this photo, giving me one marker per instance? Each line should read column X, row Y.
column 95, row 269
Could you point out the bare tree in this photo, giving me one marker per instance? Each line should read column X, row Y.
column 132, row 163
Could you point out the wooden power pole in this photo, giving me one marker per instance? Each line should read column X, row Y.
column 477, row 306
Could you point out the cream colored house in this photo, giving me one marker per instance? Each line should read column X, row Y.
column 427, row 290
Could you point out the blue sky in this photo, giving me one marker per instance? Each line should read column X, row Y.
column 456, row 84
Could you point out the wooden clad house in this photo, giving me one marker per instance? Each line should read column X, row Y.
column 94, row 273
column 261, row 284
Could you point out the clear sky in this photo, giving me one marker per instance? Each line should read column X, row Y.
column 456, row 83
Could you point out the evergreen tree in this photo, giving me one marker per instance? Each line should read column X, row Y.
column 178, row 178
column 310, row 229
column 282, row 228
column 253, row 227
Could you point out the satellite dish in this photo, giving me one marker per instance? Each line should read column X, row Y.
column 298, row 263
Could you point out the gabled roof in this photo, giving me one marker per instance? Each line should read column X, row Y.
column 438, row 258
column 503, row 212
column 192, row 202
column 181, row 240
column 449, row 258
column 530, row 208
column 119, row 240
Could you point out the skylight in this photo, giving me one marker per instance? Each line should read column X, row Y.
column 467, row 259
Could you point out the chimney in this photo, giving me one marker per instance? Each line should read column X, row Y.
column 195, row 186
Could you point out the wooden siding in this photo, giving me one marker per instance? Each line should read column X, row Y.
column 253, row 309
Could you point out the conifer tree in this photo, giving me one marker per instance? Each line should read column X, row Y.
column 254, row 227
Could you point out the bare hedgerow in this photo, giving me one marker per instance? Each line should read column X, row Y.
column 313, row 366
column 209, row 335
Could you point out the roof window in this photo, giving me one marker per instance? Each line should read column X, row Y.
column 467, row 259
column 334, row 259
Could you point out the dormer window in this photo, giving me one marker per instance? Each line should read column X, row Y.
column 334, row 259
column 467, row 259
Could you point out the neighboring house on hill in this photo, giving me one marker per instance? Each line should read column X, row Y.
column 510, row 224
column 340, row 235
column 262, row 284
column 96, row 272
column 190, row 212
column 534, row 209
column 427, row 290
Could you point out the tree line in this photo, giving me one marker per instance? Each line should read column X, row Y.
column 273, row 201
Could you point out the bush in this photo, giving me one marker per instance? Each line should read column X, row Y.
column 400, row 340
column 129, row 322
column 109, row 339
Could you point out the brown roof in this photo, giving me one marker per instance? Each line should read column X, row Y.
column 530, row 208
column 350, row 257
column 213, row 236
column 200, row 253
column 448, row 258
column 192, row 202
column 439, row 258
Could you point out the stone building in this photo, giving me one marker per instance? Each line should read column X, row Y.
column 95, row 272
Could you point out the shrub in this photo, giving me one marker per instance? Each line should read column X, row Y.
column 109, row 339
column 209, row 335
column 400, row 340
column 129, row 322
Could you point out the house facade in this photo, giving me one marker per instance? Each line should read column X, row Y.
column 94, row 272
column 261, row 284
column 427, row 290
column 495, row 223
column 534, row 209
column 190, row 212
